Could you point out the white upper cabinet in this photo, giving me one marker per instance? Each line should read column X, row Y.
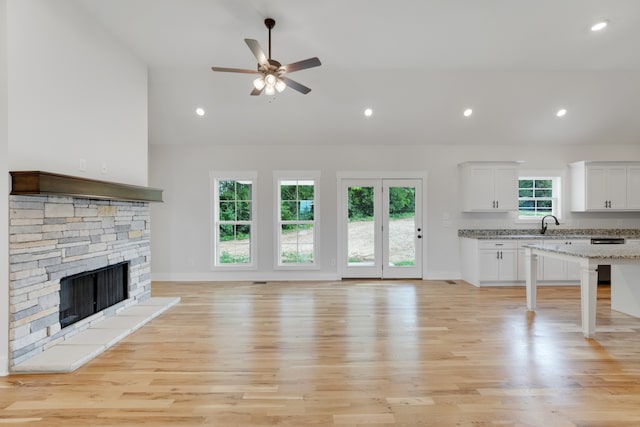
column 633, row 187
column 605, row 186
column 489, row 186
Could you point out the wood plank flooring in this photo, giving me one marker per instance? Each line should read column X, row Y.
column 351, row 353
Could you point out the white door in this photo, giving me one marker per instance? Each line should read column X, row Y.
column 382, row 228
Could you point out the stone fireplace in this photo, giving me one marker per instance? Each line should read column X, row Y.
column 61, row 227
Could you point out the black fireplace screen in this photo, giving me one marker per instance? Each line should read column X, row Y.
column 84, row 294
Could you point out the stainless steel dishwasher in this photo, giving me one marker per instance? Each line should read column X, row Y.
column 604, row 271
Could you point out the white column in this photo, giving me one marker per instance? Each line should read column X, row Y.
column 531, row 264
column 588, row 295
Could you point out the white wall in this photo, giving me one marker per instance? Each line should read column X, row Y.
column 181, row 238
column 68, row 91
column 4, row 199
column 74, row 93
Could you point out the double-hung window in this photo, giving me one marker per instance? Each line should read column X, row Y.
column 538, row 196
column 297, row 215
column 234, row 213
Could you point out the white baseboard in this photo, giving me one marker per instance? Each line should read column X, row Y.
column 242, row 276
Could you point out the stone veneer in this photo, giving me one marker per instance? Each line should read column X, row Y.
column 53, row 237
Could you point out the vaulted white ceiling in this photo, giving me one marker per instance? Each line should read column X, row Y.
column 417, row 63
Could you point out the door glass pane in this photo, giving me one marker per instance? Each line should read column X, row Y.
column 360, row 226
column 402, row 226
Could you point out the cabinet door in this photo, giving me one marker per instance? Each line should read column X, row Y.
column 522, row 265
column 506, row 188
column 554, row 269
column 508, row 265
column 617, row 187
column 489, row 265
column 573, row 268
column 481, row 188
column 633, row 187
column 596, row 188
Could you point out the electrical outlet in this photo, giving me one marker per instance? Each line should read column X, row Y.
column 104, row 169
column 82, row 165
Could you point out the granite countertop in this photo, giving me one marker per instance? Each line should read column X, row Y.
column 557, row 233
column 586, row 250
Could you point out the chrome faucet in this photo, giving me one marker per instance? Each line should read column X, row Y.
column 544, row 226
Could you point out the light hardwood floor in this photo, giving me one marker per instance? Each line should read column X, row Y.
column 352, row 353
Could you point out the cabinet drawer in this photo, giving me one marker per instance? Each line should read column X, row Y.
column 521, row 243
column 498, row 244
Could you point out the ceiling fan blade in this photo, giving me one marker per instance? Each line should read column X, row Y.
column 235, row 70
column 295, row 85
column 302, row 65
column 256, row 92
column 257, row 51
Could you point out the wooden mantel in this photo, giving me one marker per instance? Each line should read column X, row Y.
column 52, row 184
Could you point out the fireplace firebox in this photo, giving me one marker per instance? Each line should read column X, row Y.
column 84, row 294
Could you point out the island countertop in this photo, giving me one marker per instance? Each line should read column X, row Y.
column 585, row 250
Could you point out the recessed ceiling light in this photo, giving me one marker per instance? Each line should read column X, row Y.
column 200, row 111
column 468, row 112
column 599, row 26
column 368, row 112
column 561, row 112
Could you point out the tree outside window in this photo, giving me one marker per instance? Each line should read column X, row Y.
column 233, row 217
column 537, row 197
column 297, row 222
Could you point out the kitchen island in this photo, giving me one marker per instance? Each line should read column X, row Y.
column 625, row 276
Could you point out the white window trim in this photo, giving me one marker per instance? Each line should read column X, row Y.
column 214, row 177
column 559, row 180
column 298, row 176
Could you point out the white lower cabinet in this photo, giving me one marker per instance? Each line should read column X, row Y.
column 503, row 262
column 558, row 270
column 498, row 260
column 522, row 265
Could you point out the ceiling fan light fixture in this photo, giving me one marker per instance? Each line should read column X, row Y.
column 270, row 90
column 259, row 83
column 270, row 80
column 280, row 85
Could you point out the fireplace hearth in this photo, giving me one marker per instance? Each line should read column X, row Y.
column 85, row 294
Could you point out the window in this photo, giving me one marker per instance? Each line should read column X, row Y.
column 233, row 218
column 297, row 221
column 538, row 196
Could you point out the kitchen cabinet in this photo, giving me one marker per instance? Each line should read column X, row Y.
column 521, row 259
column 633, row 187
column 501, row 262
column 559, row 270
column 497, row 261
column 489, row 186
column 488, row 262
column 605, row 186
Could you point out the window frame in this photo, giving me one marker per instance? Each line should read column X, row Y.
column 215, row 178
column 557, row 179
column 278, row 177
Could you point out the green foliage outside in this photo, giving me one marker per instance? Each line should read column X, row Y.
column 402, row 203
column 297, row 202
column 230, row 232
column 535, row 197
column 296, row 258
column 227, row 258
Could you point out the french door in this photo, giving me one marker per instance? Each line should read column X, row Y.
column 382, row 228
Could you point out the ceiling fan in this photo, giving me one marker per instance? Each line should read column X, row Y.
column 272, row 74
